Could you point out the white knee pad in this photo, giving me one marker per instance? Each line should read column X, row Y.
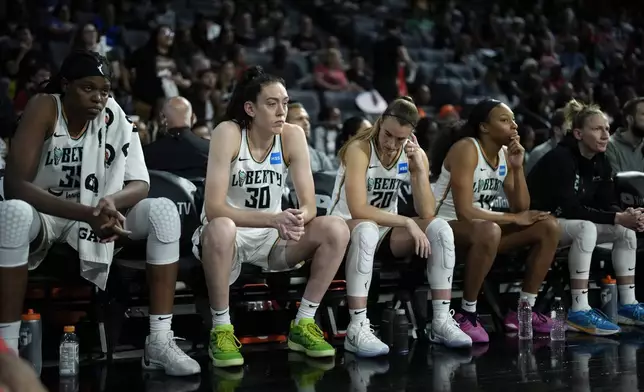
column 624, row 251
column 440, row 265
column 584, row 241
column 364, row 243
column 16, row 217
column 165, row 232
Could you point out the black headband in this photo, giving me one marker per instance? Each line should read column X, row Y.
column 400, row 118
column 81, row 66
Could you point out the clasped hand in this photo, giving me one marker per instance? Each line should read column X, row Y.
column 290, row 224
column 107, row 222
column 635, row 220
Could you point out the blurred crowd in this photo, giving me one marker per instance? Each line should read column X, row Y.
column 340, row 60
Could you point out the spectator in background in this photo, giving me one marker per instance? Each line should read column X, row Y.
column 25, row 89
column 227, row 80
column 358, row 75
column 526, row 132
column 557, row 132
column 245, row 32
column 389, row 51
column 325, row 134
column 25, row 53
column 329, row 74
column 281, row 67
column 106, row 23
column 350, row 127
column 205, row 98
column 426, row 132
column 625, row 150
column 179, row 142
column 297, row 115
column 155, row 72
column 448, row 114
column 60, row 26
column 279, row 37
column 305, row 40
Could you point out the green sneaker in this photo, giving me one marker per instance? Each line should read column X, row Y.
column 224, row 347
column 307, row 337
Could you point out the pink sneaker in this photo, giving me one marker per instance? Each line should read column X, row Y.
column 540, row 322
column 472, row 327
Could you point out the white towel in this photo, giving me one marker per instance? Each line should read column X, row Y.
column 112, row 155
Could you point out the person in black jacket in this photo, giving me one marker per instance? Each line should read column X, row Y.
column 574, row 182
column 181, row 152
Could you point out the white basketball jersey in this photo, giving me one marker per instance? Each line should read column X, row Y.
column 257, row 185
column 383, row 184
column 59, row 172
column 486, row 187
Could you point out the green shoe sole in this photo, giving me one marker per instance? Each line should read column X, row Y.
column 311, row 353
column 225, row 362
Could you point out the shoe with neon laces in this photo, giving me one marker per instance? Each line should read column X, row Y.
column 306, row 337
column 631, row 315
column 592, row 322
column 224, row 347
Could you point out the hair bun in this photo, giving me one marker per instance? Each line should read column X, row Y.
column 251, row 73
column 407, row 98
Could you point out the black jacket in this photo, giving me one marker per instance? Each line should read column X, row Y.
column 183, row 154
column 570, row 186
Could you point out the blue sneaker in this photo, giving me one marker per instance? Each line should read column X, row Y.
column 592, row 322
column 631, row 315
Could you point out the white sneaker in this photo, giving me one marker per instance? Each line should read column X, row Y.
column 361, row 340
column 448, row 333
column 161, row 352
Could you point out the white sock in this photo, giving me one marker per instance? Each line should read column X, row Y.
column 467, row 306
column 220, row 317
column 10, row 333
column 626, row 294
column 579, row 300
column 307, row 310
column 160, row 323
column 441, row 309
column 357, row 315
column 532, row 298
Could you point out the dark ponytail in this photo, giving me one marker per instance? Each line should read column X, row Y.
column 248, row 89
column 454, row 132
column 446, row 138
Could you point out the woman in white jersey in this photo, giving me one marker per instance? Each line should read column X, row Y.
column 476, row 168
column 250, row 154
column 45, row 185
column 374, row 163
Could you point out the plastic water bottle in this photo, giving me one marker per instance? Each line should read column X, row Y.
column 558, row 315
column 69, row 353
column 31, row 339
column 609, row 298
column 525, row 319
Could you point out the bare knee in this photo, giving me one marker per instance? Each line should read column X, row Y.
column 333, row 231
column 550, row 229
column 219, row 235
column 486, row 235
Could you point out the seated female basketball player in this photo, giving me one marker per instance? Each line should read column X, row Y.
column 243, row 222
column 374, row 164
column 574, row 181
column 472, row 175
column 72, row 153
